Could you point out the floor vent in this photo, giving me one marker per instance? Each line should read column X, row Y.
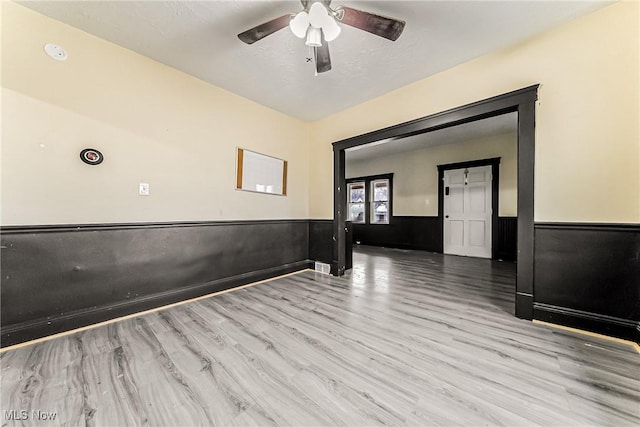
column 323, row 268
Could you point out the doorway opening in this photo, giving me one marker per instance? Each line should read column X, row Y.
column 520, row 101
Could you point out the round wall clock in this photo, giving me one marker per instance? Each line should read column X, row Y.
column 91, row 156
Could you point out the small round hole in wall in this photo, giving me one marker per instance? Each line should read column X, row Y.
column 56, row 52
column 91, row 156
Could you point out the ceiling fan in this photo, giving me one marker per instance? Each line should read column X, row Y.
column 318, row 23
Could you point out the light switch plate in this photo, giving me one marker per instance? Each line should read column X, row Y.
column 143, row 189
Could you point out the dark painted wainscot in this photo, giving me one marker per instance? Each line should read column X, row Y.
column 57, row 278
column 588, row 276
column 425, row 233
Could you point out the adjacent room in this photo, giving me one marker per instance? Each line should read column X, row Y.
column 404, row 212
column 320, row 213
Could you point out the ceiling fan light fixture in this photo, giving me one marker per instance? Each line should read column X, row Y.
column 299, row 24
column 318, row 24
column 331, row 31
column 314, row 37
column 319, row 15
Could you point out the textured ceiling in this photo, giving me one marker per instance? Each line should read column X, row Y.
column 451, row 135
column 199, row 38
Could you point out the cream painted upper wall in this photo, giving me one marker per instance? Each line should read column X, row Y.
column 587, row 127
column 415, row 173
column 153, row 124
column 157, row 125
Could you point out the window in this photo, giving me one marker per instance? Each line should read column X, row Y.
column 380, row 201
column 356, row 202
column 369, row 199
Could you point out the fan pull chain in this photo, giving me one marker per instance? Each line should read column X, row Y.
column 312, row 55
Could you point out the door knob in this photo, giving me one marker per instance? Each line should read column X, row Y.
column 446, row 216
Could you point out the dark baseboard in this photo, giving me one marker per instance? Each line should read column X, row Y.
column 599, row 323
column 38, row 328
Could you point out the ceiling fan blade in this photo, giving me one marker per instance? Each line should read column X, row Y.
column 263, row 30
column 382, row 26
column 322, row 57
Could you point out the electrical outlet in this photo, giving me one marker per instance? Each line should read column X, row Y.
column 143, row 189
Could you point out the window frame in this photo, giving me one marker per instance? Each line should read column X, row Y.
column 350, row 203
column 368, row 197
column 373, row 201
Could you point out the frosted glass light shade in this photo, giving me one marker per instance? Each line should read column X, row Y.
column 314, row 24
column 331, row 30
column 299, row 24
column 314, row 37
column 318, row 15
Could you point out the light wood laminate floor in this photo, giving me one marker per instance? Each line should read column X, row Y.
column 406, row 338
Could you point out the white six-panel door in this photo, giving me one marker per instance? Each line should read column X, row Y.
column 467, row 212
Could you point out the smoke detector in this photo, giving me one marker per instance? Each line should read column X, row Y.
column 56, row 52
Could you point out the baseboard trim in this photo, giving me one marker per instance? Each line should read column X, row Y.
column 47, row 328
column 591, row 322
column 632, row 344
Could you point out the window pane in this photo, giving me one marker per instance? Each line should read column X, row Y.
column 380, row 213
column 356, row 212
column 356, row 192
column 380, row 190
